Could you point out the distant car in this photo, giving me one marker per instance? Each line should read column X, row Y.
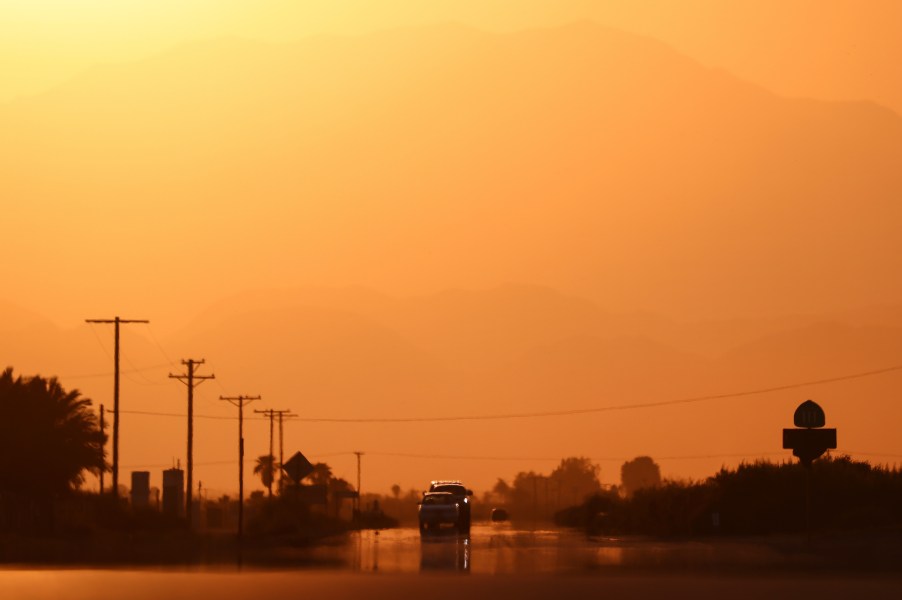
column 461, row 495
column 499, row 515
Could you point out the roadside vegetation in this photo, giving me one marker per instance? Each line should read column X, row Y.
column 753, row 499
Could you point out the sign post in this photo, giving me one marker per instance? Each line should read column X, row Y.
column 809, row 440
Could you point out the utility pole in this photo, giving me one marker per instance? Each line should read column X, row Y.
column 191, row 380
column 359, row 454
column 116, row 321
column 103, row 448
column 271, row 413
column 288, row 414
column 240, row 401
column 272, row 459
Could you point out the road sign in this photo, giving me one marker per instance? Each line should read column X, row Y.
column 808, row 441
column 297, row 467
column 809, row 444
column 809, row 414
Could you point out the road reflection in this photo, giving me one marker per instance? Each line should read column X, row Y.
column 503, row 549
column 445, row 553
column 491, row 548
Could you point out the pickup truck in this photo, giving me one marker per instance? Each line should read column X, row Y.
column 438, row 510
column 461, row 495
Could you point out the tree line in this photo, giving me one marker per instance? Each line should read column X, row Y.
column 752, row 499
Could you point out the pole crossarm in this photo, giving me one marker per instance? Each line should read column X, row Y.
column 186, row 378
column 116, row 320
column 240, row 401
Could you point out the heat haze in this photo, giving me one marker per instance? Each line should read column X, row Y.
column 405, row 209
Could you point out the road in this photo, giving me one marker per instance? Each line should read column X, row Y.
column 494, row 562
column 501, row 549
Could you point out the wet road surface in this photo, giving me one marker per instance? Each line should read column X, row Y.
column 500, row 549
column 495, row 561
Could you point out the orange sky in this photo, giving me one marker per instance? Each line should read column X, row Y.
column 327, row 199
column 835, row 49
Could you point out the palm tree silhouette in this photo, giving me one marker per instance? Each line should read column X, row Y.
column 48, row 437
column 266, row 469
column 321, row 474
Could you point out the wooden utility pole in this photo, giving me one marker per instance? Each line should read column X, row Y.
column 272, row 459
column 359, row 454
column 271, row 413
column 240, row 401
column 191, row 380
column 103, row 448
column 116, row 321
column 288, row 414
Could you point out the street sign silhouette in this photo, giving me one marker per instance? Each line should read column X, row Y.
column 297, row 467
column 809, row 414
column 808, row 441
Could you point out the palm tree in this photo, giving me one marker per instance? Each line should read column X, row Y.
column 321, row 474
column 48, row 437
column 266, row 469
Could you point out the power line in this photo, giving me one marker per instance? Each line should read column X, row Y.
column 168, row 465
column 620, row 407
column 557, row 458
column 215, row 463
column 878, row 454
column 528, row 458
column 109, row 373
column 159, row 346
column 570, row 412
column 153, row 413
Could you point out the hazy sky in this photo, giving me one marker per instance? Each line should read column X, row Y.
column 836, row 49
column 153, row 161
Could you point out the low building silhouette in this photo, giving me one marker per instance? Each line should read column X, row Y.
column 174, row 492
column 140, row 489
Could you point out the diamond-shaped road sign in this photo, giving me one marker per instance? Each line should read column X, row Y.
column 297, row 467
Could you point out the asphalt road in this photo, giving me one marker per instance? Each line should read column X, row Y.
column 500, row 549
column 496, row 561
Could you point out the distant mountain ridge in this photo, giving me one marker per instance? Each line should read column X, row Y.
column 583, row 158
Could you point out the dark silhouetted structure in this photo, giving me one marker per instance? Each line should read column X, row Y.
column 173, row 492
column 140, row 489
